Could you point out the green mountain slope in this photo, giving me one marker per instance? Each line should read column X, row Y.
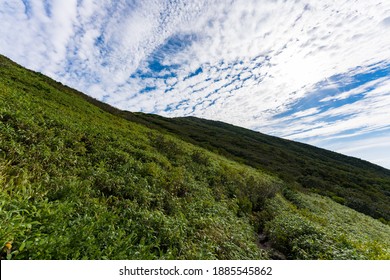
column 358, row 184
column 78, row 182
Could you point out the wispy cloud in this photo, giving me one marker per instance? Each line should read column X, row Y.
column 372, row 146
column 245, row 62
column 362, row 108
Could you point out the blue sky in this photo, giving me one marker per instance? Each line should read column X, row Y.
column 311, row 71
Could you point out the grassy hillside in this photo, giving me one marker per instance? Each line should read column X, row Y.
column 309, row 226
column 80, row 183
column 358, row 184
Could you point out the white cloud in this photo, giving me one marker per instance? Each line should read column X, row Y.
column 37, row 37
column 305, row 113
column 369, row 113
column 363, row 88
column 372, row 147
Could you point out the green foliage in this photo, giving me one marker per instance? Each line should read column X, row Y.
column 308, row 226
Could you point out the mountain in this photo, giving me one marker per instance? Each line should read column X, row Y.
column 358, row 184
column 83, row 180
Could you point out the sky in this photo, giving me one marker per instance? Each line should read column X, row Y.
column 316, row 72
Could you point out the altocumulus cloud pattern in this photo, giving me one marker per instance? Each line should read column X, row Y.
column 313, row 71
